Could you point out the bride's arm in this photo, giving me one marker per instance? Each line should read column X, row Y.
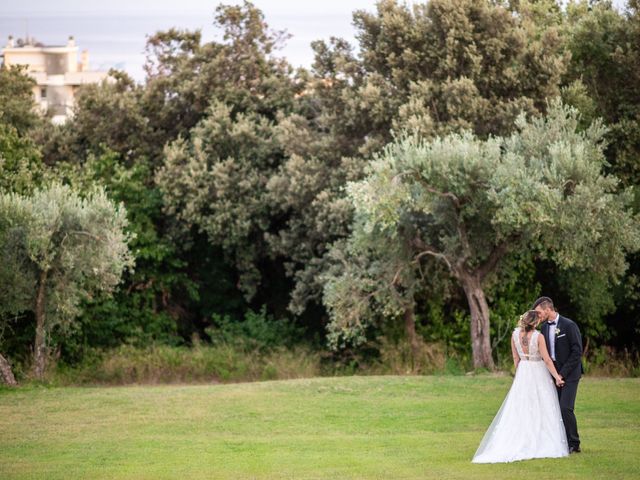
column 542, row 347
column 514, row 352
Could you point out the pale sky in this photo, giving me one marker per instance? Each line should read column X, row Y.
column 188, row 7
column 177, row 6
column 114, row 31
column 305, row 21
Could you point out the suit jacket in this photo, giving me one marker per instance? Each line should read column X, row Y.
column 568, row 348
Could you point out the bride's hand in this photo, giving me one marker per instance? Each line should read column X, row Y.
column 560, row 382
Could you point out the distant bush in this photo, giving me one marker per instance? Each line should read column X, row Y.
column 396, row 357
column 604, row 361
column 165, row 364
column 234, row 361
column 257, row 331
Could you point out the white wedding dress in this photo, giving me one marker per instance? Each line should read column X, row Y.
column 528, row 424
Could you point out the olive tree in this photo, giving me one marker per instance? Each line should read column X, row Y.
column 468, row 203
column 57, row 248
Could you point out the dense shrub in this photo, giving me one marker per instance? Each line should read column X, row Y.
column 165, row 364
column 256, row 331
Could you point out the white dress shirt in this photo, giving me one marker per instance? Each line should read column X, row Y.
column 552, row 338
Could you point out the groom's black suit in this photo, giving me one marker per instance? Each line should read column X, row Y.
column 568, row 362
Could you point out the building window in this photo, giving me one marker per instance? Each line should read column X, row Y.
column 43, row 93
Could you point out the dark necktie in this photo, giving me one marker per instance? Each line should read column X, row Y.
column 549, row 336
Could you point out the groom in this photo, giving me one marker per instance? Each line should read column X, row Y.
column 565, row 348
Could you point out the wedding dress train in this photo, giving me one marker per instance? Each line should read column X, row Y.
column 529, row 423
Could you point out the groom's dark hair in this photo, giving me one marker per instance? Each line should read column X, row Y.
column 544, row 302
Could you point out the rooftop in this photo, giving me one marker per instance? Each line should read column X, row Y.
column 30, row 43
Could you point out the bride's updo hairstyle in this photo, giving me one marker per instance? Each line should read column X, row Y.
column 528, row 320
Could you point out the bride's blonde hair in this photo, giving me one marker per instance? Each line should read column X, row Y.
column 528, row 320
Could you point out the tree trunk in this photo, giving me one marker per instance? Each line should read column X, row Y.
column 410, row 330
column 40, row 346
column 6, row 373
column 480, row 334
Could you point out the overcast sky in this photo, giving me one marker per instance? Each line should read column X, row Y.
column 119, row 42
column 305, row 21
column 279, row 7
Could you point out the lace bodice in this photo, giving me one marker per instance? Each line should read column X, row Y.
column 530, row 352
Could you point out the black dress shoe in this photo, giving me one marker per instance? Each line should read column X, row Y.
column 574, row 450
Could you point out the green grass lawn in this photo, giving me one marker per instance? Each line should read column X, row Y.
column 346, row 427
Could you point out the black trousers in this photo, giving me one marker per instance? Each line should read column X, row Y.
column 567, row 398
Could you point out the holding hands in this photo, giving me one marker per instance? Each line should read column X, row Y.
column 559, row 381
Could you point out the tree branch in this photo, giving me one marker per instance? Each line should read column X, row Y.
column 494, row 257
column 88, row 234
column 457, row 204
column 396, row 277
column 451, row 196
column 429, row 250
column 464, row 241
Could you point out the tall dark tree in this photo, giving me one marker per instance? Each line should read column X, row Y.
column 17, row 104
column 604, row 81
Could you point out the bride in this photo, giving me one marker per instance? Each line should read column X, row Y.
column 529, row 423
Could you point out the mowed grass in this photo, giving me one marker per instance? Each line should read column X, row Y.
column 378, row 427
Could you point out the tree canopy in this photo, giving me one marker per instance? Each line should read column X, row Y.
column 468, row 203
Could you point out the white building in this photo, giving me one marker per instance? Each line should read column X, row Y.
column 57, row 73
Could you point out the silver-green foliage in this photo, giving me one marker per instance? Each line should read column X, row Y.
column 467, row 203
column 78, row 242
